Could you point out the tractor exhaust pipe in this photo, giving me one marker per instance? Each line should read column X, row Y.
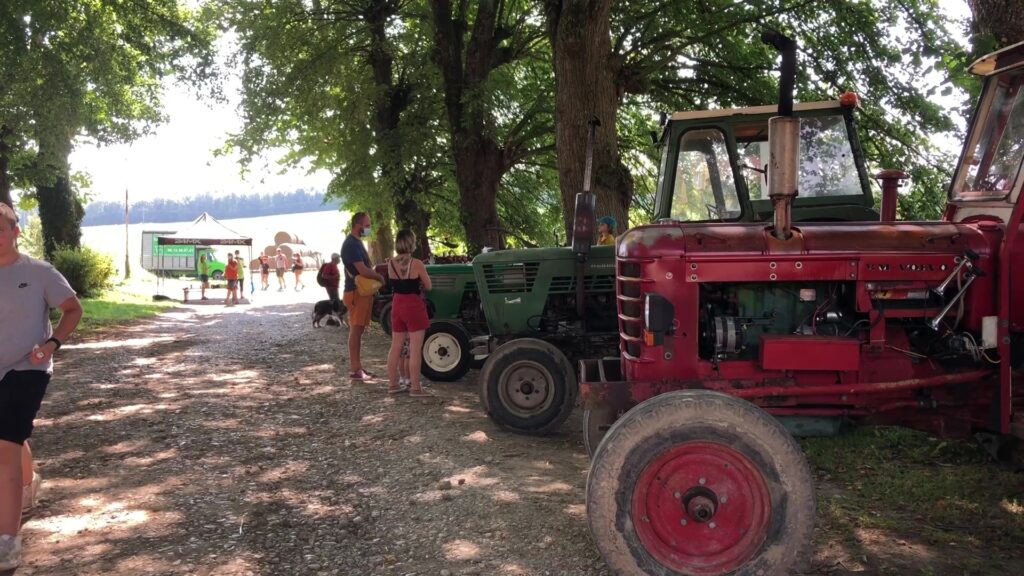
column 783, row 140
column 584, row 221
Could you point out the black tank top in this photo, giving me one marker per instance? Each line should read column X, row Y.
column 401, row 285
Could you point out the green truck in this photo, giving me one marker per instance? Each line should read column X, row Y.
column 176, row 259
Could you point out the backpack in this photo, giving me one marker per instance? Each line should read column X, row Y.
column 320, row 276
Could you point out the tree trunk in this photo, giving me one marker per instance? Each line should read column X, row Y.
column 1001, row 19
column 585, row 87
column 382, row 246
column 479, row 166
column 410, row 215
column 60, row 214
column 480, row 162
column 392, row 101
column 5, row 163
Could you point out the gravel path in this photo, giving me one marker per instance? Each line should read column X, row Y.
column 228, row 441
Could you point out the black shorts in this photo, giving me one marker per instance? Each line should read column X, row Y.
column 21, row 394
column 232, row 284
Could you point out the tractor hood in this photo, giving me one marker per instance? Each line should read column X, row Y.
column 433, row 269
column 675, row 240
column 540, row 255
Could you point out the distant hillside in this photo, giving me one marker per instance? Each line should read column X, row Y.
column 221, row 207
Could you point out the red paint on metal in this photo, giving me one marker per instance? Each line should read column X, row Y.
column 1011, row 289
column 879, row 263
column 891, row 180
column 813, row 353
column 716, row 545
column 871, row 388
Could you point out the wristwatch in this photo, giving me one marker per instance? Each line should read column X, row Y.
column 55, row 341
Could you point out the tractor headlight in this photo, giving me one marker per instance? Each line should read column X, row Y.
column 658, row 315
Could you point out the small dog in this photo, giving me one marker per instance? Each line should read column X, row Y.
column 333, row 310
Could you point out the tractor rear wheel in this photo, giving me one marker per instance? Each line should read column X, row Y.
column 698, row 482
column 528, row 386
column 217, row 275
column 385, row 318
column 446, row 355
column 596, row 422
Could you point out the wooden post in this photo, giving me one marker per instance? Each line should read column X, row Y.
column 127, row 265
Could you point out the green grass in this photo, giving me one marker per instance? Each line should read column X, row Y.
column 117, row 306
column 945, row 494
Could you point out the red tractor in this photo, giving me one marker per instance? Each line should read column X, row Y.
column 728, row 332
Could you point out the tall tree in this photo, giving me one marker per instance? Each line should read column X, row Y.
column 89, row 69
column 476, row 45
column 692, row 55
column 587, row 86
column 344, row 83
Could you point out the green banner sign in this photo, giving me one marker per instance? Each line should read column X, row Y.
column 170, row 250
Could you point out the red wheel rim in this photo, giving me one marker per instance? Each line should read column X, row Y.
column 701, row 508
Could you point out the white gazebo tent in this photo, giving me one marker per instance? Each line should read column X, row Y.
column 207, row 231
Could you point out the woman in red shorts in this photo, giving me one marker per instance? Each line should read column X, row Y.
column 407, row 277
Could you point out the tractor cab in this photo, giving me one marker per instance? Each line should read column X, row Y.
column 988, row 180
column 714, row 162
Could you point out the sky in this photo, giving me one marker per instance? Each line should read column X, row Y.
column 177, row 160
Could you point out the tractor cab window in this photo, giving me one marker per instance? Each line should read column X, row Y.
column 992, row 162
column 704, row 185
column 827, row 164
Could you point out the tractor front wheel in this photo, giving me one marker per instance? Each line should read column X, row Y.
column 446, row 356
column 217, row 275
column 528, row 386
column 698, row 482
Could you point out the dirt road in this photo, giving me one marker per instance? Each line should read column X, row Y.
column 228, row 441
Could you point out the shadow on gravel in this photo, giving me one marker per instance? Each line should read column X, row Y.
column 232, row 443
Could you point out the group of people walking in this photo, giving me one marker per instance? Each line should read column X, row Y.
column 280, row 269
column 408, row 279
column 234, row 274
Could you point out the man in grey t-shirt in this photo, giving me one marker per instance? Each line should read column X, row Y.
column 29, row 288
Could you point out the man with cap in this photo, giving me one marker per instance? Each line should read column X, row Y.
column 332, row 279
column 606, row 231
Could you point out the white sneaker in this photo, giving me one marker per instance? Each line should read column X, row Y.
column 30, row 492
column 10, row 552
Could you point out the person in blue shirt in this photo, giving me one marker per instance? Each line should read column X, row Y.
column 356, row 262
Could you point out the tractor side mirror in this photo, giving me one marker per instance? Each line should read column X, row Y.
column 584, row 223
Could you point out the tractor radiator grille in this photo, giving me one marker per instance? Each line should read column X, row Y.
column 444, row 282
column 510, row 278
column 631, row 308
column 592, row 284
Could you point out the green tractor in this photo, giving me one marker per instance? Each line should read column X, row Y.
column 712, row 169
column 456, row 316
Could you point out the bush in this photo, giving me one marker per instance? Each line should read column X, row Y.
column 88, row 271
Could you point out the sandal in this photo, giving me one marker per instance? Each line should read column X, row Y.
column 398, row 390
column 421, row 393
column 361, row 375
